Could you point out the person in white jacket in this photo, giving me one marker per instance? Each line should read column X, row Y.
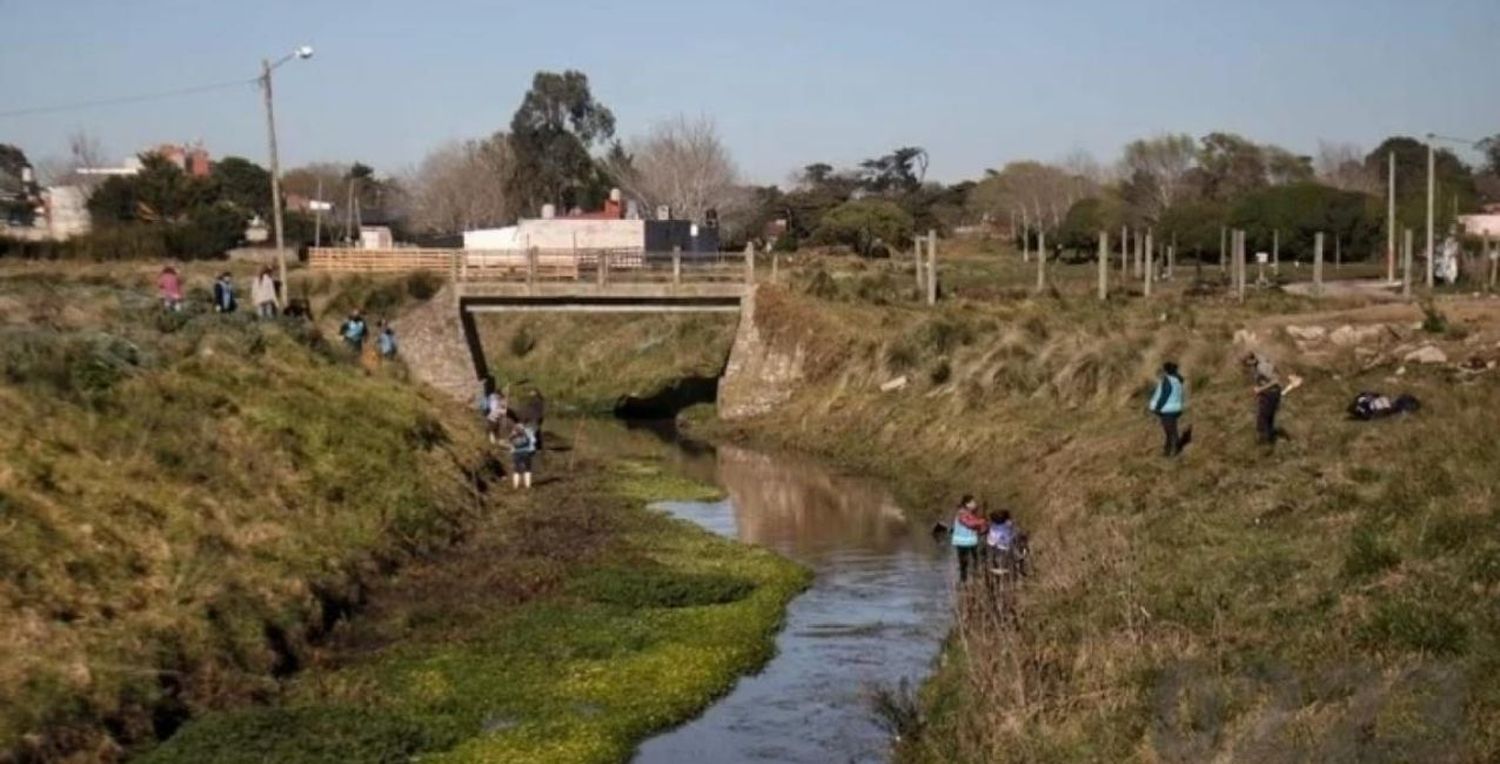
column 263, row 294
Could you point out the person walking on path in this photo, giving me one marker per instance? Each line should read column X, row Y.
column 263, row 294
column 522, row 449
column 1266, row 384
column 224, row 301
column 169, row 287
column 386, row 340
column 353, row 331
column 1167, row 402
column 968, row 527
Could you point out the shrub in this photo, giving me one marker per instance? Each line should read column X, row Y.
column 299, row 736
column 868, row 226
column 522, row 342
column 422, row 285
column 941, row 372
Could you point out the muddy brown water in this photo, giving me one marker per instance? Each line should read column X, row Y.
column 875, row 614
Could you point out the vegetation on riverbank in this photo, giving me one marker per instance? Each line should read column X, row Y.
column 190, row 501
column 1329, row 600
column 196, row 503
column 571, row 624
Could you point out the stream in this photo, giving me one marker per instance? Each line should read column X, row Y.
column 876, row 613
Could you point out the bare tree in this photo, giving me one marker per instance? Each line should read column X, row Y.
column 1342, row 165
column 84, row 151
column 1038, row 194
column 1158, row 169
column 460, row 186
column 681, row 163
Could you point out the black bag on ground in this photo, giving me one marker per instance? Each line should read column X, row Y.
column 1368, row 405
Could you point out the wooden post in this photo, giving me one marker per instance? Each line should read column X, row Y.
column 1406, row 245
column 1140, row 255
column 1172, row 257
column 531, row 270
column 1338, row 252
column 1124, row 251
column 1025, row 237
column 932, row 267
column 601, row 268
column 677, row 264
column 1223, row 242
column 750, row 264
column 1318, row 263
column 1150, row 263
column 1276, row 252
column 1041, row 262
column 775, row 264
column 916, row 257
column 1103, row 265
column 1239, row 264
column 1494, row 255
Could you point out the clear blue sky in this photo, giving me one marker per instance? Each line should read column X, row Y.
column 789, row 83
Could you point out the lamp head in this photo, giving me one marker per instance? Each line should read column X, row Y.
column 304, row 51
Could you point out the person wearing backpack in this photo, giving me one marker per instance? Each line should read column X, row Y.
column 522, row 449
column 1167, row 402
column 968, row 527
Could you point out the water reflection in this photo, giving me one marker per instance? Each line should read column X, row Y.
column 876, row 613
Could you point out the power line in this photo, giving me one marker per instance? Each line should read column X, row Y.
column 127, row 99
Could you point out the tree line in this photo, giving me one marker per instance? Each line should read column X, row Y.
column 562, row 148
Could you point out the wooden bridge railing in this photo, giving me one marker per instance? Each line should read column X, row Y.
column 599, row 266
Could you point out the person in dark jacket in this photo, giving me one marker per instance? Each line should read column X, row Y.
column 224, row 301
column 535, row 412
column 1266, row 384
column 1167, row 402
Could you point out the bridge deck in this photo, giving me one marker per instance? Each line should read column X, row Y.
column 550, row 280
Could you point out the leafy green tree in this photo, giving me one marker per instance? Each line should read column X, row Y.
column 244, row 184
column 868, row 226
column 1195, row 226
column 1454, row 181
column 1229, row 165
column 1085, row 219
column 551, row 136
column 1299, row 211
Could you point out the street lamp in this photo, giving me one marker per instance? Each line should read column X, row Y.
column 266, row 67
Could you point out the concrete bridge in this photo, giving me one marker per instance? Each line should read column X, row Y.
column 442, row 342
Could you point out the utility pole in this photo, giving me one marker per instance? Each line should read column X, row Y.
column 1390, row 219
column 265, row 82
column 1431, row 200
column 266, row 66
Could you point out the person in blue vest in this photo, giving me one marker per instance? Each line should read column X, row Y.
column 522, row 451
column 353, row 331
column 1167, row 402
column 969, row 526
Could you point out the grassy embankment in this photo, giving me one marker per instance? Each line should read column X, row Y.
column 592, row 363
column 1331, row 600
column 193, row 506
